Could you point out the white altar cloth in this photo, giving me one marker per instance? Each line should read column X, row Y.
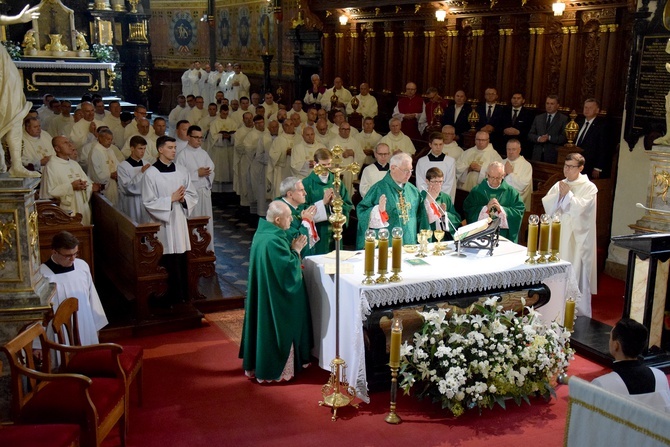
column 444, row 275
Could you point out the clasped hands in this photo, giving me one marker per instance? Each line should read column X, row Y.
column 308, row 213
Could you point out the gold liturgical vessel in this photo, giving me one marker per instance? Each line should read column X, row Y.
column 337, row 393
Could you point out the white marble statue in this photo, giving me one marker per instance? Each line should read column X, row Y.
column 13, row 105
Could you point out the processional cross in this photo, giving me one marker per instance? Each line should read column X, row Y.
column 337, row 393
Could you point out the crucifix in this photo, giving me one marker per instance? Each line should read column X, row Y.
column 337, row 393
column 404, row 208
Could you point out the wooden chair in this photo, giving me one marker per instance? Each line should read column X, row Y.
column 66, row 327
column 40, row 397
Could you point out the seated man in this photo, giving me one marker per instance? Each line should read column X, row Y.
column 320, row 192
column 645, row 385
column 439, row 208
column 496, row 199
column 518, row 171
column 397, row 140
column 72, row 277
column 393, row 202
column 376, row 171
column 472, row 164
column 368, row 139
column 277, row 333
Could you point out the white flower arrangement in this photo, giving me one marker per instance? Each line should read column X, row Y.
column 13, row 48
column 483, row 357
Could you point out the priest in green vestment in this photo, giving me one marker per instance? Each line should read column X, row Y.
column 393, row 202
column 302, row 216
column 440, row 210
column 320, row 194
column 496, row 199
column 277, row 333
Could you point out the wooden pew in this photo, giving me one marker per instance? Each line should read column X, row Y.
column 51, row 219
column 128, row 254
column 201, row 262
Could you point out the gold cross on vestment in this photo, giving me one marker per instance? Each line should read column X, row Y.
column 404, row 208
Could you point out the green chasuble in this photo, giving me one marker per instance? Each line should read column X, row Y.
column 297, row 228
column 507, row 196
column 315, row 188
column 277, row 312
column 416, row 213
column 452, row 214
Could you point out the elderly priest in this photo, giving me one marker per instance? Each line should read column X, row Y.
column 277, row 333
column 393, row 202
column 497, row 199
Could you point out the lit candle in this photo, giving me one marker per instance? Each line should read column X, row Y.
column 397, row 248
column 383, row 254
column 396, row 339
column 555, row 233
column 569, row 315
column 544, row 234
column 532, row 234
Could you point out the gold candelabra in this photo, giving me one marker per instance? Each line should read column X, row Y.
column 336, row 392
column 473, row 117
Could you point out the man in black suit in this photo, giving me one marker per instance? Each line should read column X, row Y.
column 592, row 139
column 548, row 132
column 516, row 123
column 456, row 115
column 491, row 119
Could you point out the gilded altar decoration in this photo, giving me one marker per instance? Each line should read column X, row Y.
column 571, row 129
column 404, row 206
column 7, row 230
column 81, row 41
column 483, row 357
column 33, row 235
column 56, row 47
column 662, row 181
column 29, row 43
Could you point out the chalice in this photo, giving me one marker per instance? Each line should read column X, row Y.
column 439, row 235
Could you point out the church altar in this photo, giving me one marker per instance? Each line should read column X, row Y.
column 66, row 78
column 444, row 275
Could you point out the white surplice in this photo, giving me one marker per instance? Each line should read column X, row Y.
column 57, row 178
column 193, row 159
column 102, row 163
column 130, row 192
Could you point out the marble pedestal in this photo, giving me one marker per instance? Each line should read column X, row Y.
column 25, row 295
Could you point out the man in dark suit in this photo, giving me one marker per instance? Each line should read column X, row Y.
column 456, row 115
column 592, row 139
column 516, row 123
column 548, row 132
column 491, row 119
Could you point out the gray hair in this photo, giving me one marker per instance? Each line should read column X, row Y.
column 276, row 209
column 287, row 185
column 399, row 159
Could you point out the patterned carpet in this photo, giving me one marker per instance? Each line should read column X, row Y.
column 232, row 241
column 230, row 322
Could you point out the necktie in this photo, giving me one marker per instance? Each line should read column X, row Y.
column 548, row 122
column 488, row 114
column 514, row 116
column 581, row 137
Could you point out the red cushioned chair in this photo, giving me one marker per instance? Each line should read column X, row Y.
column 66, row 327
column 39, row 397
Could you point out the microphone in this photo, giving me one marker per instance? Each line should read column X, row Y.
column 656, row 210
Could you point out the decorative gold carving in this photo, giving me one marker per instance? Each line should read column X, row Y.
column 354, row 34
column 339, row 35
column 30, row 87
column 388, row 33
column 377, row 11
column 397, row 9
column 95, row 88
column 7, row 230
column 661, row 180
column 602, row 28
column 565, row 29
column 417, row 8
column 539, row 30
column 501, row 32
column 477, row 32
column 408, row 33
column 509, row 31
column 33, row 231
column 370, row 34
column 138, row 32
column 326, row 35
column 613, row 27
column 573, row 29
column 429, row 33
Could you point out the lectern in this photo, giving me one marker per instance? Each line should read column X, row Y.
column 645, row 301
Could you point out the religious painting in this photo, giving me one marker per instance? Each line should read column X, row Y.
column 243, row 28
column 182, row 34
column 224, row 28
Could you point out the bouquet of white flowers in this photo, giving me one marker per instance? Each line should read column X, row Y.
column 13, row 48
column 484, row 356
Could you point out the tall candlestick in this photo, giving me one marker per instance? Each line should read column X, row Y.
column 396, row 338
column 569, row 315
column 544, row 238
column 369, row 257
column 383, row 254
column 555, row 237
column 397, row 254
column 533, row 220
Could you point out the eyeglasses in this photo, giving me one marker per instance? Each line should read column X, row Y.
column 68, row 256
column 406, row 171
column 567, row 166
column 499, row 179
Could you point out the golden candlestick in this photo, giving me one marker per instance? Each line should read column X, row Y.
column 336, row 392
column 555, row 239
column 531, row 243
column 396, row 233
column 571, row 130
column 383, row 256
column 394, row 363
column 369, row 258
column 544, row 238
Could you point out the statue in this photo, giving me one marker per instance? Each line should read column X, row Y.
column 81, row 41
column 13, row 105
column 29, row 42
column 665, row 139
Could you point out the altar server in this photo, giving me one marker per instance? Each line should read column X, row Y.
column 73, row 279
column 277, row 333
column 130, row 175
column 575, row 200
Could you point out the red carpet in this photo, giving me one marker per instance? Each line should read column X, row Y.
column 196, row 395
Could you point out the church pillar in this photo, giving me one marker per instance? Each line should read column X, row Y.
column 329, row 57
column 568, row 59
column 452, row 59
column 408, row 68
column 370, row 59
column 340, row 54
column 603, row 94
column 390, row 69
column 476, row 74
column 355, row 57
column 505, row 63
column 429, row 59
column 536, row 60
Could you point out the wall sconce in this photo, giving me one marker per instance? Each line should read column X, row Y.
column 343, row 20
column 440, row 15
column 209, row 19
column 558, row 7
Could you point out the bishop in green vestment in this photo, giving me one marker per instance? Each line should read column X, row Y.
column 320, row 193
column 497, row 199
column 277, row 320
column 393, row 202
